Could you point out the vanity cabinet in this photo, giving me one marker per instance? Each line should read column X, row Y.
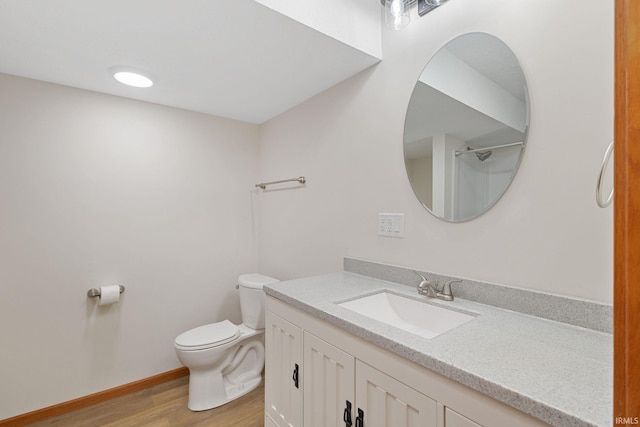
column 318, row 375
column 283, row 392
column 328, row 375
column 339, row 389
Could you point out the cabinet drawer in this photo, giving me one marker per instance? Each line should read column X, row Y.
column 453, row 419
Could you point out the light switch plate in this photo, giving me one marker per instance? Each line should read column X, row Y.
column 391, row 224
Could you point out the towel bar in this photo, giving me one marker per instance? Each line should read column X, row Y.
column 300, row 179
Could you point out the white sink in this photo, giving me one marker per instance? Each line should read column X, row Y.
column 416, row 317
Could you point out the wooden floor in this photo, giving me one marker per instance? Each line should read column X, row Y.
column 165, row 405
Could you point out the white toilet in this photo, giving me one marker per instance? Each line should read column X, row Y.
column 225, row 360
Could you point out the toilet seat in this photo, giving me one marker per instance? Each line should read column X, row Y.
column 208, row 336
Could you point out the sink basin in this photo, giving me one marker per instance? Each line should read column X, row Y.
column 414, row 316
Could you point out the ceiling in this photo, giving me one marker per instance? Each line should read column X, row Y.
column 435, row 113
column 237, row 59
column 448, row 111
column 493, row 59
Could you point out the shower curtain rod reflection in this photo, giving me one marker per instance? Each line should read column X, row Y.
column 495, row 147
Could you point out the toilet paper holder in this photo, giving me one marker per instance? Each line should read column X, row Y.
column 92, row 293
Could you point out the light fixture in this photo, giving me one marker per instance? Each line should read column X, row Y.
column 131, row 77
column 426, row 6
column 396, row 13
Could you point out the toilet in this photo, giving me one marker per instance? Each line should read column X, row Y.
column 225, row 360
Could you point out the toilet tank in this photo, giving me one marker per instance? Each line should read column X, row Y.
column 252, row 299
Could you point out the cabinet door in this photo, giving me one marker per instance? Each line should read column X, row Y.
column 283, row 376
column 328, row 384
column 386, row 402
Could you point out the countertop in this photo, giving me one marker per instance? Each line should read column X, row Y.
column 556, row 372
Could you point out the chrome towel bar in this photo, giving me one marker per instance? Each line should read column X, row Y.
column 300, row 179
column 92, row 293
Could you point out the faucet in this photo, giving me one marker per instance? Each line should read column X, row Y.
column 429, row 289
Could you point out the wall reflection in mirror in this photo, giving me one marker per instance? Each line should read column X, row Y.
column 466, row 127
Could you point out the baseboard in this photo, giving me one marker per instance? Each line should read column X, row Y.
column 92, row 399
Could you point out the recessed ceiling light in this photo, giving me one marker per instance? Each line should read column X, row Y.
column 131, row 78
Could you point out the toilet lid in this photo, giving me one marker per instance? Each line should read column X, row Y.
column 207, row 336
column 255, row 280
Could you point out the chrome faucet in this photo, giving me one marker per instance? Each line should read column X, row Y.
column 429, row 289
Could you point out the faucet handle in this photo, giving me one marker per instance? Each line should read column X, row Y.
column 425, row 287
column 446, row 289
column 420, row 275
column 425, row 282
column 424, row 279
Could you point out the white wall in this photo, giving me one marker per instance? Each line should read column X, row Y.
column 421, row 172
column 99, row 190
column 546, row 233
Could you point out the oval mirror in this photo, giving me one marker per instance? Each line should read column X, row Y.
column 466, row 127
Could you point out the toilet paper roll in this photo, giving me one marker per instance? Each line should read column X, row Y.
column 109, row 295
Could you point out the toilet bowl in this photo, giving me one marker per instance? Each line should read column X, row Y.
column 225, row 360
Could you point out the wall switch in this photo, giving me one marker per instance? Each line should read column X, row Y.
column 391, row 224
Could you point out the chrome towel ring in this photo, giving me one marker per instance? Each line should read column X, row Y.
column 603, row 169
